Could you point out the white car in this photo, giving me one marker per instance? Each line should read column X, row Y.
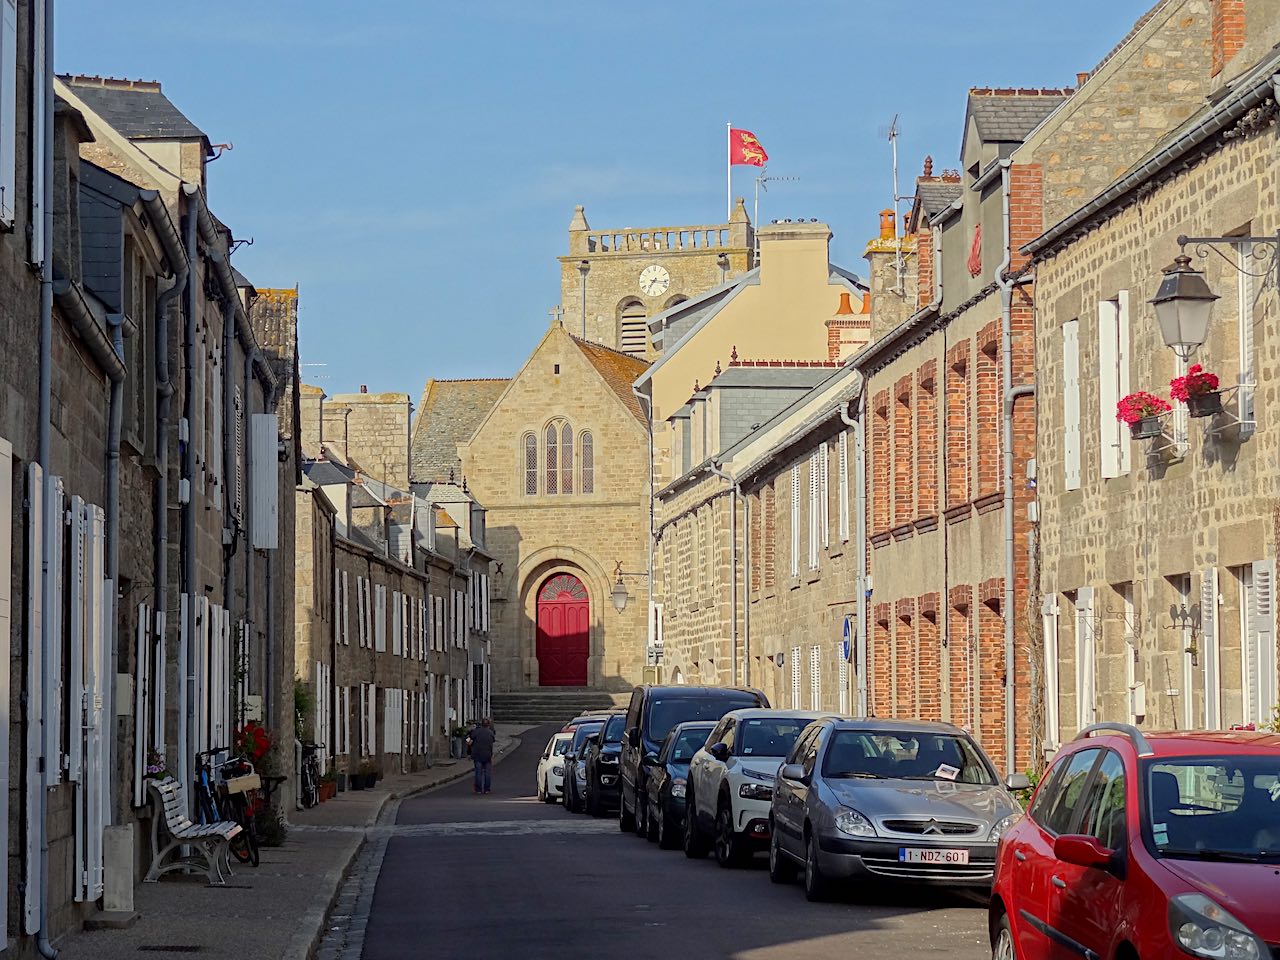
column 731, row 782
column 551, row 768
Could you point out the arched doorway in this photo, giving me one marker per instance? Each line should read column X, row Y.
column 564, row 632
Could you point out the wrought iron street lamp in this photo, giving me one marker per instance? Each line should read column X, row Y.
column 619, row 594
column 1183, row 304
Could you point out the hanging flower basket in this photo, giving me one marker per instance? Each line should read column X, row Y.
column 1142, row 412
column 1148, row 428
column 1198, row 389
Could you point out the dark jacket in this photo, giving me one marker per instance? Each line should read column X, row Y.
column 482, row 743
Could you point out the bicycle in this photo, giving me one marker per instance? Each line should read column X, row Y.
column 309, row 775
column 239, row 790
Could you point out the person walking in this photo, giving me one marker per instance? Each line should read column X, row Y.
column 481, row 744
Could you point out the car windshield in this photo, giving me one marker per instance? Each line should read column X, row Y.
column 905, row 755
column 1215, row 808
column 688, row 742
column 561, row 747
column 613, row 729
column 581, row 734
column 666, row 712
column 768, row 736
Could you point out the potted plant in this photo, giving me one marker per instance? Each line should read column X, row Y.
column 1198, row 389
column 157, row 767
column 1142, row 412
column 328, row 786
column 368, row 774
column 355, row 779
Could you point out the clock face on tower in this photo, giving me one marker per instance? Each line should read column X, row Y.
column 654, row 280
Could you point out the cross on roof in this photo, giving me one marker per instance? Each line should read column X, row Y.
column 556, row 313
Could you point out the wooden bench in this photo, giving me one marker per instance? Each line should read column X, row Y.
column 209, row 842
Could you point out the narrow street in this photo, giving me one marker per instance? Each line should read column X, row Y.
column 505, row 876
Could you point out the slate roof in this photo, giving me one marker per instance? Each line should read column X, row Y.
column 449, row 413
column 326, row 473
column 1008, row 117
column 937, row 196
column 765, row 377
column 618, row 370
column 138, row 109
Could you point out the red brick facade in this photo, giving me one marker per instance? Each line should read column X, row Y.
column 989, row 423
column 929, row 657
column 957, row 453
column 1228, row 32
column 880, row 463
column 904, row 448
column 926, row 441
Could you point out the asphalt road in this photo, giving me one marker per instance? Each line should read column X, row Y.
column 504, row 877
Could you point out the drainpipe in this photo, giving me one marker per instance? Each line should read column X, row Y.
column 746, row 591
column 46, row 410
column 735, row 492
column 860, row 539
column 229, row 533
column 246, row 532
column 186, row 705
column 1011, row 395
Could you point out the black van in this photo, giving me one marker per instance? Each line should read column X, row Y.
column 654, row 710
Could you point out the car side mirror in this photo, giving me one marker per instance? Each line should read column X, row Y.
column 1082, row 851
column 650, row 760
column 1017, row 781
column 720, row 751
column 633, row 736
column 793, row 771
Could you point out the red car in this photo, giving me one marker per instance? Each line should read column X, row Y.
column 1142, row 846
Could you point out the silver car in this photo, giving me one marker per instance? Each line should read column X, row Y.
column 888, row 800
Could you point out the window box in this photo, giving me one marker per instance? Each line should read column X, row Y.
column 1145, row 428
column 1205, row 404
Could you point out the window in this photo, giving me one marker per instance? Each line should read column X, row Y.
column 9, row 109
column 1071, row 404
column 1209, row 652
column 566, row 459
column 795, row 678
column 1049, row 619
column 552, row 458
column 1113, row 383
column 1129, row 650
column 1257, row 640
column 815, row 677
column 1247, row 292
column 1063, row 797
column 1104, row 810
column 530, row 465
column 633, row 329
column 588, row 464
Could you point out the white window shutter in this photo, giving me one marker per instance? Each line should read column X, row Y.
column 237, row 412
column 36, row 133
column 54, row 537
column 1108, row 387
column 77, row 602
column 33, row 875
column 1123, row 363
column 1049, row 618
column 8, row 119
column 265, row 483
column 1261, row 692
column 824, row 493
column 1247, row 295
column 372, row 704
column 1209, row 646
column 218, row 370
column 843, row 486
column 1071, row 404
column 815, row 677
column 379, row 617
column 795, row 678
column 1086, row 652
column 396, row 623
column 795, row 520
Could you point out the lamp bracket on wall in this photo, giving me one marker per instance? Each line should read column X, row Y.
column 1263, row 252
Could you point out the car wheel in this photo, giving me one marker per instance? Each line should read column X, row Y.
column 592, row 804
column 651, row 821
column 571, row 796
column 781, row 869
column 547, row 795
column 668, row 839
column 729, row 852
column 1002, row 948
column 626, row 821
column 816, row 886
column 695, row 844
column 642, row 815
column 542, row 790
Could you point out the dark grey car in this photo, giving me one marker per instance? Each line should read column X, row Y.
column 888, row 800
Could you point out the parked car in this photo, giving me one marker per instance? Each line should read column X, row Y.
column 668, row 782
column 653, row 711
column 1146, row 845
column 551, row 768
column 890, row 800
column 575, row 766
column 591, row 716
column 602, row 767
column 731, row 782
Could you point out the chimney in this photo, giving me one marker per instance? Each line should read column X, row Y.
column 1227, row 32
column 1081, row 78
column 364, row 388
column 847, row 330
column 795, row 253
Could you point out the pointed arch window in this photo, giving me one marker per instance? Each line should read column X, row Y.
column 530, row 444
column 588, row 462
column 566, row 458
column 552, row 458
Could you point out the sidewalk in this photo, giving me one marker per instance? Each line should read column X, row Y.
column 277, row 909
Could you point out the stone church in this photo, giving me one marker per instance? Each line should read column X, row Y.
column 559, row 455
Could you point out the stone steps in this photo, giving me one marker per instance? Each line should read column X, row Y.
column 552, row 704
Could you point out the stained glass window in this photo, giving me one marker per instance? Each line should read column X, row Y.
column 588, row 464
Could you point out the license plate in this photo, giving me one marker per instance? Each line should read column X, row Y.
column 919, row 855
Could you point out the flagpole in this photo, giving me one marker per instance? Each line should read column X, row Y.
column 728, row 171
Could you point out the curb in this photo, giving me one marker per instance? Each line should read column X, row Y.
column 304, row 944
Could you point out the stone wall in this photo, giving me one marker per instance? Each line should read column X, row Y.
column 377, row 434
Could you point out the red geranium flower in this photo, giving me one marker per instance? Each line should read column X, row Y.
column 1196, row 383
column 252, row 741
column 1140, row 405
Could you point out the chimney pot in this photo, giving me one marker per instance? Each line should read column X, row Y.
column 1080, row 79
column 845, row 306
column 928, row 166
column 888, row 229
column 866, row 301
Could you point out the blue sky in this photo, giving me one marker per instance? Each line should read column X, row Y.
column 413, row 164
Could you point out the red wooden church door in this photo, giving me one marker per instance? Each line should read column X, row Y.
column 564, row 637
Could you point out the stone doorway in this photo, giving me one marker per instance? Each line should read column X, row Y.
column 564, row 632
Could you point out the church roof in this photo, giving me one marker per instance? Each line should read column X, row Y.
column 618, row 370
column 448, row 415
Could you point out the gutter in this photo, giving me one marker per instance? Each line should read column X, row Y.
column 860, row 539
column 735, row 492
column 71, row 302
column 1218, row 119
column 187, row 536
column 949, row 212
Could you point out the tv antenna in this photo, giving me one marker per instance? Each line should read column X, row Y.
column 891, row 133
column 323, row 376
column 762, row 183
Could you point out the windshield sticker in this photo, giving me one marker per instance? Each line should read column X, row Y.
column 1161, row 832
column 947, row 772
